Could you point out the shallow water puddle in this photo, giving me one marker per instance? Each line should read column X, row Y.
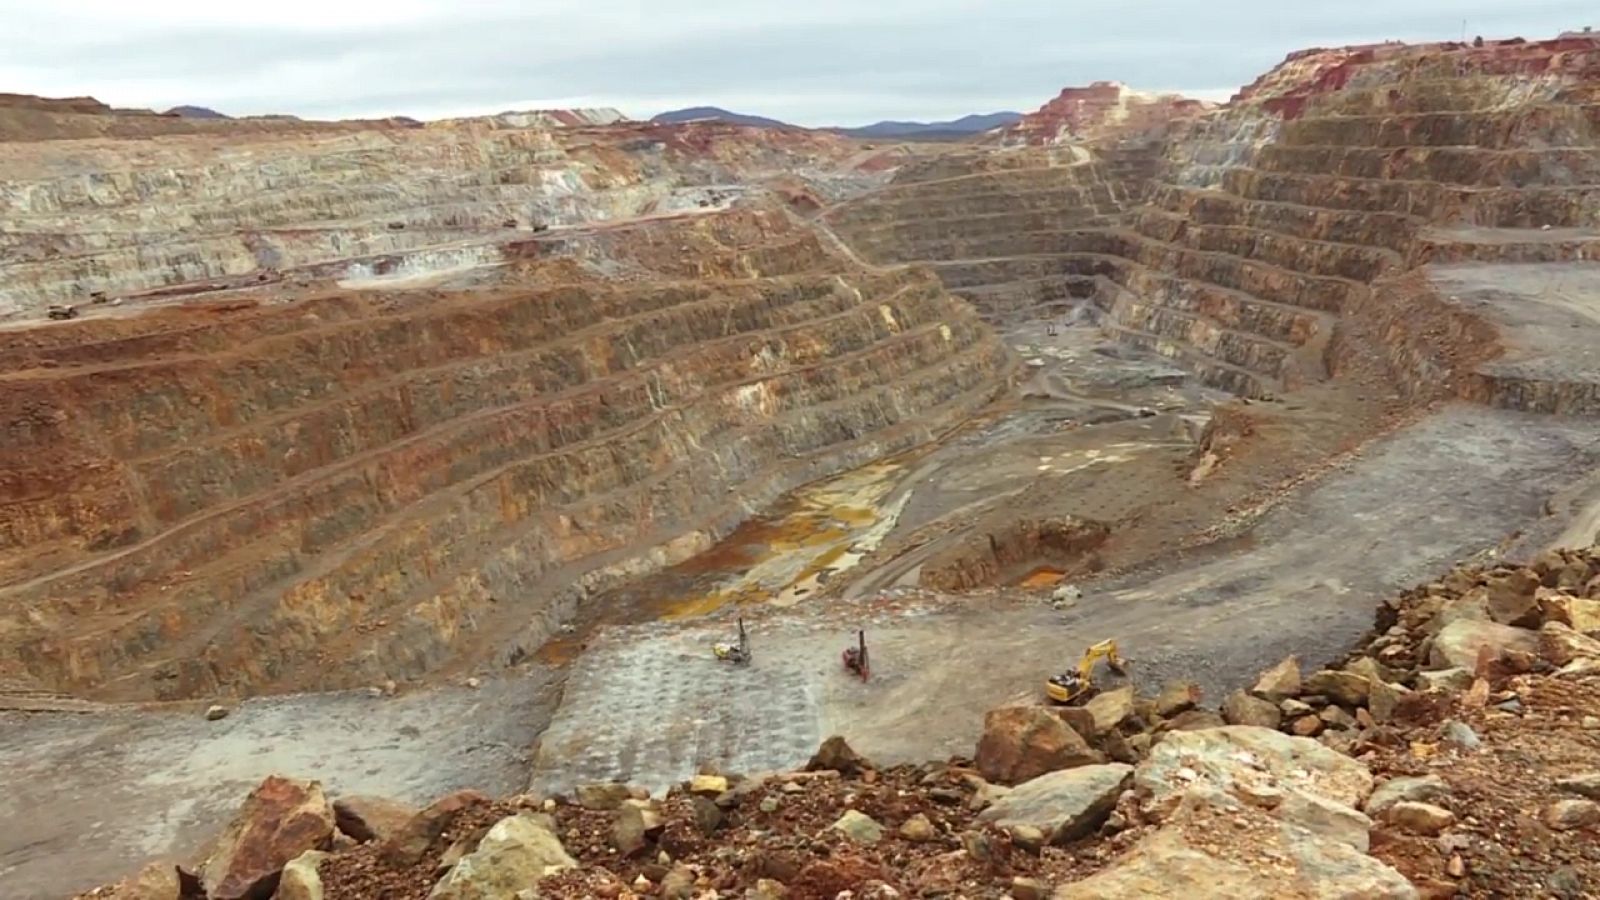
column 816, row 532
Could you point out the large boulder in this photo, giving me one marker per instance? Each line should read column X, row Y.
column 1578, row 613
column 1346, row 688
column 1177, row 697
column 301, row 879
column 1024, row 742
column 1383, row 699
column 1560, row 645
column 1215, row 848
column 1458, row 644
column 408, row 845
column 1511, row 598
column 281, row 819
column 365, row 818
column 517, row 852
column 1246, row 760
column 1280, row 682
column 1064, row 805
column 1112, row 709
column 1247, row 709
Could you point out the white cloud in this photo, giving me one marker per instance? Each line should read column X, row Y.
column 813, row 62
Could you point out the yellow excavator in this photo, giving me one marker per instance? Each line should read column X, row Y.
column 1077, row 685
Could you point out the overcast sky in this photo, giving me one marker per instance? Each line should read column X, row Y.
column 813, row 62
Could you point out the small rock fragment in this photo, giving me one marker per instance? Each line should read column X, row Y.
column 1461, row 734
column 859, row 827
column 918, row 829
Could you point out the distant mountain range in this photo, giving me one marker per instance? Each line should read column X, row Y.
column 964, row 127
column 194, row 112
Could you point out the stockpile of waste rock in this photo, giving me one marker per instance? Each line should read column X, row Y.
column 1455, row 753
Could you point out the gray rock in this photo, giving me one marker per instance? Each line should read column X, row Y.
column 1326, row 819
column 517, row 852
column 1245, row 709
column 707, row 814
column 1064, row 805
column 1177, row 697
column 1565, row 815
column 1226, row 758
column 1346, row 688
column 1370, row 669
column 859, row 827
column 1186, row 860
column 1382, row 700
column 1461, row 734
column 1426, row 788
column 1451, row 680
column 1585, row 785
column 634, row 827
column 215, row 712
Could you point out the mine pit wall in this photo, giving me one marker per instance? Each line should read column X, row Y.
column 1277, row 240
column 120, row 217
column 281, row 499
column 1002, row 228
column 1010, row 550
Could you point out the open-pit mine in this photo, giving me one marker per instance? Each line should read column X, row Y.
column 414, row 458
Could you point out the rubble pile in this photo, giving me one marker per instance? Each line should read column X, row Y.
column 1455, row 753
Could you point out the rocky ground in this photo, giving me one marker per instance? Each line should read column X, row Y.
column 1456, row 752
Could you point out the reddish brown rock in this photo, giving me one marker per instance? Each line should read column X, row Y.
column 837, row 756
column 412, row 841
column 1511, row 599
column 280, row 820
column 1024, row 742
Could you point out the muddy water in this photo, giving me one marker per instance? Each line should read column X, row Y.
column 778, row 558
column 814, row 533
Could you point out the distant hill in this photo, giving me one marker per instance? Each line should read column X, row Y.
column 956, row 129
column 965, row 126
column 194, row 112
column 711, row 112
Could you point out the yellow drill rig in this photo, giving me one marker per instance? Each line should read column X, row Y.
column 1077, row 685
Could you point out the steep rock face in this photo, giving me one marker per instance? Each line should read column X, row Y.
column 1278, row 239
column 1285, row 217
column 118, row 218
column 1101, row 111
column 1004, row 230
column 364, row 485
